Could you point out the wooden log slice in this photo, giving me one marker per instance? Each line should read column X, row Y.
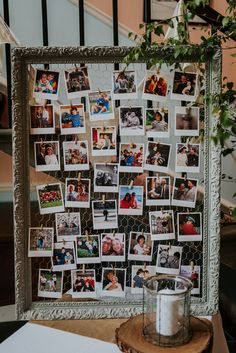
column 130, row 339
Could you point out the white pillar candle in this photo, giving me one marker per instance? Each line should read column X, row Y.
column 169, row 313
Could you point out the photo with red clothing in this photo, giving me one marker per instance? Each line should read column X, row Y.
column 131, row 200
column 83, row 283
column 189, row 226
column 155, row 86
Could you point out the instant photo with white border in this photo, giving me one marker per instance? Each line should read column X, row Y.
column 41, row 95
column 135, row 124
column 76, row 129
column 135, row 268
column 47, row 210
column 77, row 93
column 157, row 193
column 112, row 254
column 124, row 95
column 195, row 234
column 42, row 130
column 102, row 168
column 169, row 259
column 157, row 167
column 83, row 294
column 105, row 223
column 74, row 144
column 186, row 271
column 95, row 112
column 52, row 162
column 141, row 250
column 182, row 162
column 187, row 119
column 40, row 251
column 185, row 194
column 133, row 207
column 160, row 230
column 103, row 151
column 49, row 294
column 78, row 184
column 184, row 96
column 114, row 293
column 163, row 126
column 66, row 266
column 87, row 239
column 131, row 168
column 152, row 96
column 68, row 218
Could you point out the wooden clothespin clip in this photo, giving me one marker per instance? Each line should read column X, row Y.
column 131, row 145
column 112, row 266
column 185, row 176
column 83, row 268
column 68, row 212
column 76, row 139
column 79, row 178
column 131, row 183
column 144, row 266
column 41, row 141
column 64, row 241
column 87, row 235
column 142, row 231
column 161, row 210
column 103, row 198
column 188, row 210
column 114, row 232
column 41, row 226
column 192, row 265
column 169, row 245
column 76, row 67
column 99, row 91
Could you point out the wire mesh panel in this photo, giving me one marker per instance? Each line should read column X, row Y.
column 99, row 63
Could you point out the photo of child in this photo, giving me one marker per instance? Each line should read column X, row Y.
column 42, row 119
column 101, row 105
column 131, row 157
column 40, row 243
column 162, row 225
column 139, row 275
column 140, row 246
column 157, row 156
column 189, row 226
column 130, row 200
column 169, row 259
column 157, row 123
column 155, row 87
column 77, row 82
column 131, row 121
column 113, row 247
column 46, row 84
column 50, row 283
column 75, row 155
column 77, row 192
column 113, row 282
column 184, row 86
column 87, row 249
column 63, row 256
column 72, row 119
column 67, row 226
column 124, row 84
column 83, row 283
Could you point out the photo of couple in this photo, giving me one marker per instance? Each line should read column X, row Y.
column 185, row 192
column 42, row 119
column 106, row 177
column 103, row 141
column 77, row 193
column 113, row 247
column 158, row 191
column 155, row 87
column 40, row 242
column 50, row 283
column 47, row 156
column 187, row 158
column 130, row 200
column 63, row 256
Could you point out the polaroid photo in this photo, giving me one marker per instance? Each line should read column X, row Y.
column 50, row 198
column 187, row 158
column 113, row 282
column 157, row 123
column 104, row 214
column 189, row 226
column 130, row 200
column 68, row 226
column 47, row 156
column 50, row 283
column 106, row 177
column 88, row 249
column 72, row 119
column 157, row 156
column 42, row 119
column 155, row 87
column 169, row 259
column 76, row 155
column 101, row 106
column 64, row 256
column 131, row 121
column 124, row 84
column 77, row 82
column 131, row 157
column 40, row 243
column 193, row 274
column 77, row 193
column 158, row 191
column 186, row 121
column 184, row 86
column 140, row 246
column 113, row 247
column 139, row 274
column 162, row 225
column 46, row 84
column 184, row 192
column 83, row 283
column 103, row 141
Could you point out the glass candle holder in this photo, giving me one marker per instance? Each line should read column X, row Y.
column 166, row 316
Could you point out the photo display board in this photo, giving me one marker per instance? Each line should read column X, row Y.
column 116, row 178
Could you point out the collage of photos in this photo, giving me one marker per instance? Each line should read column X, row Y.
column 77, row 192
column 129, row 135
column 72, row 119
column 42, row 120
column 157, row 123
column 131, row 121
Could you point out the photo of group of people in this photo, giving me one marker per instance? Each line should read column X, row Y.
column 131, row 121
column 50, row 283
column 87, row 249
column 103, row 141
column 131, row 157
column 124, row 84
column 83, row 283
column 113, row 247
column 130, row 200
column 101, row 106
column 42, row 119
column 77, row 82
column 158, row 191
column 77, row 192
column 106, row 177
column 72, row 119
column 68, row 226
column 75, row 155
column 162, row 225
column 50, row 198
column 157, row 123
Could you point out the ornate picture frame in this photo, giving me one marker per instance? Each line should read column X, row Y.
column 26, row 308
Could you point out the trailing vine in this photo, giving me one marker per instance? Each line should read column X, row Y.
column 224, row 102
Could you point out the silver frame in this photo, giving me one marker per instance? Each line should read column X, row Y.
column 25, row 309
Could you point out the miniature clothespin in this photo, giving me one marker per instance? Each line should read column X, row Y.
column 112, row 266
column 87, row 235
column 192, row 265
column 76, row 139
column 79, row 178
column 144, row 266
column 83, row 268
column 188, row 210
column 76, row 67
column 131, row 183
column 142, row 231
column 68, row 212
column 161, row 210
column 131, row 145
column 41, row 141
column 169, row 245
column 103, row 198
column 41, row 226
column 64, row 241
column 185, row 176
column 114, row 232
